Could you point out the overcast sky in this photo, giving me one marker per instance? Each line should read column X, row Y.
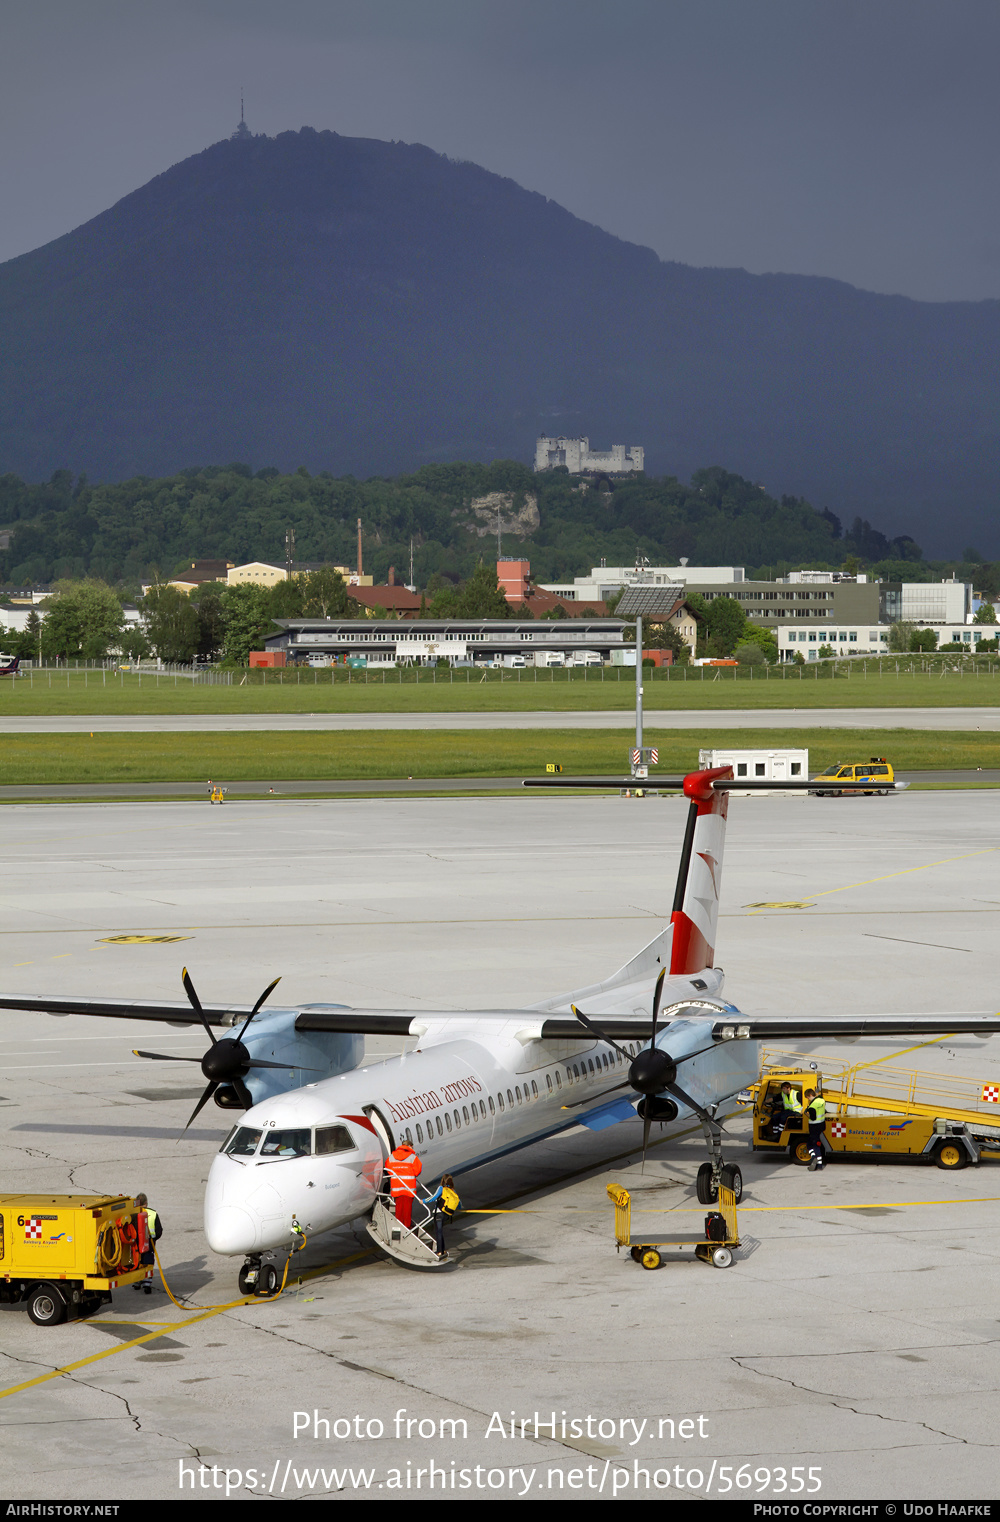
column 851, row 138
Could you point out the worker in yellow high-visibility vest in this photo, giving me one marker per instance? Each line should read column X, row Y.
column 815, row 1110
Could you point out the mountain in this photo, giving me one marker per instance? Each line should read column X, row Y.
column 365, row 307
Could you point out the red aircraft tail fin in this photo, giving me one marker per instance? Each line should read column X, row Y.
column 699, row 880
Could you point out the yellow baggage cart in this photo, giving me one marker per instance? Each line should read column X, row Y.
column 713, row 1245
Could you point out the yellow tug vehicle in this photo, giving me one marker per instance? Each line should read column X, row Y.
column 898, row 1116
column 64, row 1253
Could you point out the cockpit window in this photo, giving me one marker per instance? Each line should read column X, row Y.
column 287, row 1144
column 242, row 1142
column 333, row 1139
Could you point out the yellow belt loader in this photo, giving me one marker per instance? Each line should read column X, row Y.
column 892, row 1127
column 65, row 1253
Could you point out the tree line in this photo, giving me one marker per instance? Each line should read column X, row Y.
column 127, row 532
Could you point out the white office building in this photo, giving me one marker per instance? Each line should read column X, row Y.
column 605, row 580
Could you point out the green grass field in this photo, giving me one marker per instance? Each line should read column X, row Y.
column 375, row 754
column 853, row 684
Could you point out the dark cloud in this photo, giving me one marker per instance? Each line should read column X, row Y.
column 851, row 138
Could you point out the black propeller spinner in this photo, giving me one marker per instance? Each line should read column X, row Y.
column 651, row 1072
column 226, row 1061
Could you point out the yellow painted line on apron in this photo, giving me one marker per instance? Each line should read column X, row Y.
column 905, row 872
column 167, row 1328
column 767, row 1209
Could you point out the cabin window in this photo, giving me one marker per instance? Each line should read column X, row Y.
column 500, row 1102
column 335, row 1139
column 558, row 1080
column 243, row 1142
column 437, row 1122
column 458, row 1121
column 576, row 1071
column 517, row 1091
column 590, row 1063
column 465, row 1112
column 534, row 1089
column 447, row 1122
column 420, row 1132
column 510, row 1099
column 482, row 1108
column 492, row 1106
column 407, row 1137
column 284, row 1144
column 548, row 1080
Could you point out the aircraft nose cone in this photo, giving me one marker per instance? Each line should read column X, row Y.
column 230, row 1230
column 651, row 1071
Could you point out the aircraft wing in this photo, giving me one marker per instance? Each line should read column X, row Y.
column 848, row 1027
column 126, row 1009
column 384, row 1022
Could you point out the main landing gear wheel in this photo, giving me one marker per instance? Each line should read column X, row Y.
column 798, row 1151
column 732, row 1178
column 650, row 1258
column 721, row 1257
column 951, row 1155
column 46, row 1306
column 267, row 1280
column 706, row 1190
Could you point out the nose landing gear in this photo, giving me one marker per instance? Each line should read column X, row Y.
column 257, row 1277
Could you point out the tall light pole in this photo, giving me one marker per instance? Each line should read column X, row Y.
column 638, row 691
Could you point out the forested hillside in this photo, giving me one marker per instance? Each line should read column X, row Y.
column 122, row 533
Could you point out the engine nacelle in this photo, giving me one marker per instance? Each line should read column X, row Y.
column 657, row 1107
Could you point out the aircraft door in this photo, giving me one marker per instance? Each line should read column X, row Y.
column 382, row 1130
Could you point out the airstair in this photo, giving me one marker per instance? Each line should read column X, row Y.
column 415, row 1245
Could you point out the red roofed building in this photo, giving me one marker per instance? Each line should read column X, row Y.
column 389, row 599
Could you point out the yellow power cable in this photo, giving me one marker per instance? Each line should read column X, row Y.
column 180, row 1307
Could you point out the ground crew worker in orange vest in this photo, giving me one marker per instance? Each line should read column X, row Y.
column 404, row 1167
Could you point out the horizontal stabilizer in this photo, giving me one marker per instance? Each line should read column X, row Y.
column 741, row 784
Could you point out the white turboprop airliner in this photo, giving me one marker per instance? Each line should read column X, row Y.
column 656, row 1038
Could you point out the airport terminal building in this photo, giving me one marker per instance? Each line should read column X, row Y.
column 423, row 642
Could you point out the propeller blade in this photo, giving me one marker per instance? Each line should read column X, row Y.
column 268, row 990
column 703, row 1115
column 243, row 1093
column 162, row 1057
column 196, row 1005
column 596, row 1031
column 203, row 1101
column 646, row 1123
column 657, row 996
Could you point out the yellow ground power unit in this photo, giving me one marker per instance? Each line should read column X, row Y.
column 64, row 1253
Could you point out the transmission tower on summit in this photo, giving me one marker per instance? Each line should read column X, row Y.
column 242, row 132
